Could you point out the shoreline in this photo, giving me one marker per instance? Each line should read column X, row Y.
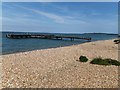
column 58, row 68
column 53, row 47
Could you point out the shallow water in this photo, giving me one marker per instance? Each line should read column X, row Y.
column 20, row 45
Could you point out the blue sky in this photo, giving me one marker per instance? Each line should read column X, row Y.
column 60, row 17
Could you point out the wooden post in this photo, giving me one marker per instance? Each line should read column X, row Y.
column 71, row 39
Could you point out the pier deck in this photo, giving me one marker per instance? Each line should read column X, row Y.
column 41, row 36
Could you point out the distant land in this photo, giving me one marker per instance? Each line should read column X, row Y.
column 58, row 33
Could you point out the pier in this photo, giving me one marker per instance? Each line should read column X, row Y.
column 41, row 36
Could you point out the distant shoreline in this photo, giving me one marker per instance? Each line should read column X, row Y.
column 58, row 33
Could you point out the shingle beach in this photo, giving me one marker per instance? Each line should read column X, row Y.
column 59, row 68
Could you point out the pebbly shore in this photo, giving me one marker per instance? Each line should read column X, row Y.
column 59, row 68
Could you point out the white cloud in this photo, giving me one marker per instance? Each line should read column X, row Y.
column 59, row 19
column 69, row 22
column 56, row 18
column 52, row 16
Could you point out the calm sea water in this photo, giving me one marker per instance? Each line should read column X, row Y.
column 20, row 45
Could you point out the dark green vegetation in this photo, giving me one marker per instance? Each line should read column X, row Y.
column 117, row 41
column 106, row 61
column 83, row 59
column 100, row 61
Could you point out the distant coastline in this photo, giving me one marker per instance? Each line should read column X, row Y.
column 57, row 33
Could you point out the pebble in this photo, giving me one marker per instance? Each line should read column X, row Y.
column 57, row 67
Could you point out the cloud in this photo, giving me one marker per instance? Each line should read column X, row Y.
column 59, row 19
column 73, row 22
column 52, row 16
column 56, row 18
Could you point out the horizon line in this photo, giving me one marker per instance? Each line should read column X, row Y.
column 63, row 32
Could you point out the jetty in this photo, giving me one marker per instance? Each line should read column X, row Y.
column 44, row 36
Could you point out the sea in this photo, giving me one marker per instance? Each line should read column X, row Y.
column 10, row 46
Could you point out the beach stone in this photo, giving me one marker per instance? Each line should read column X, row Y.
column 58, row 68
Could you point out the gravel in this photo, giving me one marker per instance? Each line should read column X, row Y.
column 59, row 68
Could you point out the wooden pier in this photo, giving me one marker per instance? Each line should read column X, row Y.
column 41, row 36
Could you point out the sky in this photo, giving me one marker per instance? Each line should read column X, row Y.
column 60, row 17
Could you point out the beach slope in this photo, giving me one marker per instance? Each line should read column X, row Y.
column 59, row 68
